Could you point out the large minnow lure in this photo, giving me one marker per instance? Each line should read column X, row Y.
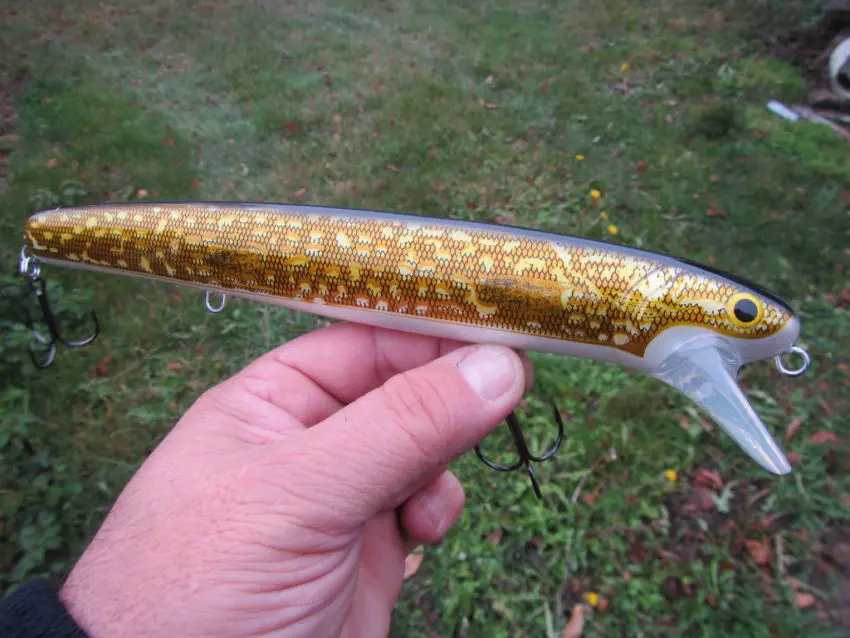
column 688, row 325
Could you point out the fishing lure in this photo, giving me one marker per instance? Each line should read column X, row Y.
column 690, row 326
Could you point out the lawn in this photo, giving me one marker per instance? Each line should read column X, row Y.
column 513, row 112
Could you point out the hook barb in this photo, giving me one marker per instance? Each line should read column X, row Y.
column 526, row 458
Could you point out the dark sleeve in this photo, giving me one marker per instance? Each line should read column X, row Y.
column 34, row 610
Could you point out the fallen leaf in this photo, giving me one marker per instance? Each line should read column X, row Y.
column 52, row 163
column 701, row 498
column 602, row 605
column 487, row 105
column 489, row 79
column 804, row 600
column 641, row 166
column 793, row 458
column 103, row 367
column 715, row 179
column 300, row 192
column 142, row 193
column 588, row 499
column 708, row 478
column 412, row 562
column 759, row 552
column 822, row 436
column 174, row 366
column 715, row 212
column 575, row 625
column 495, row 537
column 793, row 428
column 169, row 142
column 292, row 127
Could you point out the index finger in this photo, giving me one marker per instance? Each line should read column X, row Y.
column 318, row 373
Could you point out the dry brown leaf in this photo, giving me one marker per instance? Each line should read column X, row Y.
column 495, row 537
column 103, row 367
column 793, row 428
column 300, row 192
column 575, row 625
column 708, row 478
column 487, row 105
column 174, row 366
column 793, row 458
column 413, row 561
column 701, row 498
column 52, row 163
column 821, row 437
column 804, row 600
column 759, row 552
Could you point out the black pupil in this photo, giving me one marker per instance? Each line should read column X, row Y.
column 746, row 311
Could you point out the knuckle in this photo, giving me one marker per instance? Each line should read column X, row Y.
column 419, row 410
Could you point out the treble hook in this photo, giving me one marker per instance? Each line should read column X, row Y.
column 525, row 456
column 30, row 269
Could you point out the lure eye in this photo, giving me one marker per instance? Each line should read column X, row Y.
column 745, row 309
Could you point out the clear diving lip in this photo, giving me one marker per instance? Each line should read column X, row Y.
column 705, row 370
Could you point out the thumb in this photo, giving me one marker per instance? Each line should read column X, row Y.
column 377, row 451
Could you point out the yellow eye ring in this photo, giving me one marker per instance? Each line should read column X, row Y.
column 745, row 310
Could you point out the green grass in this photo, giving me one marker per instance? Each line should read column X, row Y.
column 385, row 105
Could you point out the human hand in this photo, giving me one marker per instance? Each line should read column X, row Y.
column 286, row 498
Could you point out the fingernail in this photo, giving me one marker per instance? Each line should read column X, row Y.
column 489, row 371
column 436, row 511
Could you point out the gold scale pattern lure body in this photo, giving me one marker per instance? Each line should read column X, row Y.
column 477, row 275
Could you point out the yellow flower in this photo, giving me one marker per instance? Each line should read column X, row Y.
column 671, row 475
column 612, row 229
column 624, row 67
column 595, row 194
column 580, row 157
column 592, row 598
column 603, row 215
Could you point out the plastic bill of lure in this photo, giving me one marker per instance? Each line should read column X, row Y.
column 690, row 326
